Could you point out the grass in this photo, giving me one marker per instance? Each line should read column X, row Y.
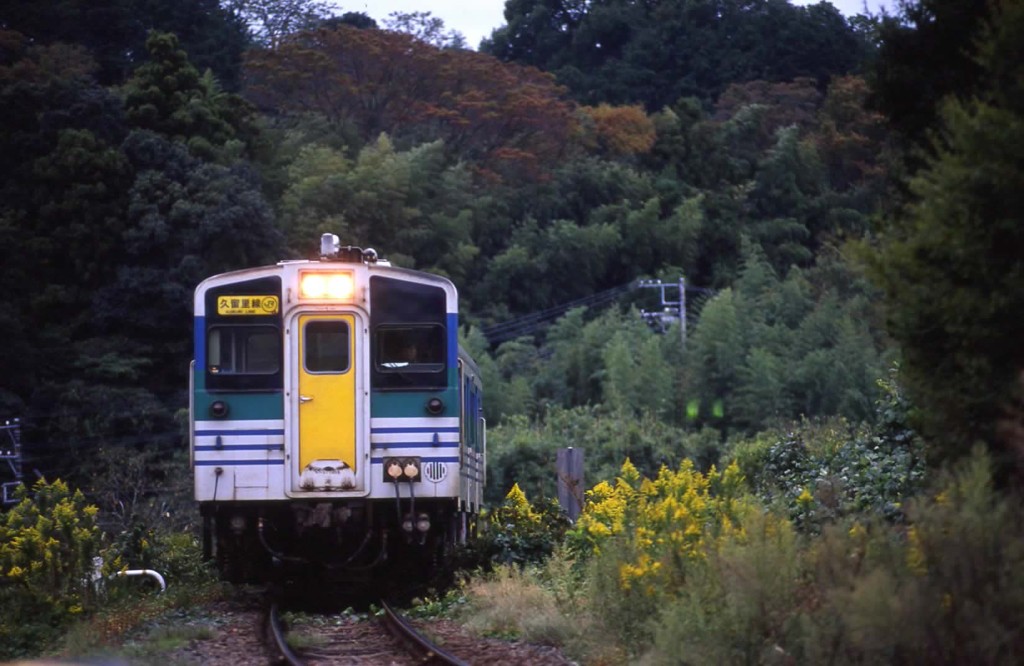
column 141, row 628
column 510, row 605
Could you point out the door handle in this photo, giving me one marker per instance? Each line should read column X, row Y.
column 305, row 398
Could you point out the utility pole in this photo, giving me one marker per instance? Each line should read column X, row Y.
column 682, row 311
column 10, row 450
column 569, row 465
column 672, row 310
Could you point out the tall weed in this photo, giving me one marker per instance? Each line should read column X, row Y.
column 511, row 602
column 947, row 588
column 738, row 605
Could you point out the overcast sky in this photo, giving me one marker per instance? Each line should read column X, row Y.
column 475, row 19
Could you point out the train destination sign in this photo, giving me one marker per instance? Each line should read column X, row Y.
column 248, row 305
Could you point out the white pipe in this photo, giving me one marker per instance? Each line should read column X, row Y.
column 145, row 572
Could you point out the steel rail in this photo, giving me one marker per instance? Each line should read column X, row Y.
column 280, row 640
column 416, row 643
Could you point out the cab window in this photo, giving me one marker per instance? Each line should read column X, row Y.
column 417, row 348
column 243, row 350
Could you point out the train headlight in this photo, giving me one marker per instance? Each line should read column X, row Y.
column 337, row 286
column 401, row 470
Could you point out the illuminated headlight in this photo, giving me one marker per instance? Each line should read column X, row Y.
column 340, row 286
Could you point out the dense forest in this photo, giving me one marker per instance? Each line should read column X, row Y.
column 779, row 158
column 837, row 201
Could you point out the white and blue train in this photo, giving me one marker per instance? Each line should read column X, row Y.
column 335, row 421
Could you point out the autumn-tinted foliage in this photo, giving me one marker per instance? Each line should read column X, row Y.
column 507, row 119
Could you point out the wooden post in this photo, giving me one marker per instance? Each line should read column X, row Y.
column 570, row 481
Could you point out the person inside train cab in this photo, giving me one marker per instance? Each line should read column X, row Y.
column 401, row 352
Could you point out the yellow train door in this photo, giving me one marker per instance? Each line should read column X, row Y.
column 325, row 454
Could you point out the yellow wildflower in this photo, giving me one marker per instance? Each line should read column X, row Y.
column 915, row 553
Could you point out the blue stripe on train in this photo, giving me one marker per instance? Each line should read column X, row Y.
column 230, row 463
column 453, row 348
column 451, row 459
column 242, row 447
column 394, row 431
column 414, row 445
column 227, row 433
column 199, row 340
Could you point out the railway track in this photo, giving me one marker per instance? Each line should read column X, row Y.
column 393, row 641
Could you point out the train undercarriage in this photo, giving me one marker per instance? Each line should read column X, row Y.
column 346, row 543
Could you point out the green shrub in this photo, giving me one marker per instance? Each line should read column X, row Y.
column 524, row 452
column 738, row 605
column 644, row 537
column 821, row 471
column 965, row 550
column 517, row 532
column 947, row 588
column 176, row 555
column 47, row 545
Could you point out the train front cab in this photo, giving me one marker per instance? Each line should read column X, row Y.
column 316, row 429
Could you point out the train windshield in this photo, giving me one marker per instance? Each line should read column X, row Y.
column 417, row 348
column 243, row 350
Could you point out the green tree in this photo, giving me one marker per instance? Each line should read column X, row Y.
column 925, row 54
column 187, row 219
column 425, row 27
column 270, row 21
column 63, row 186
column 655, row 53
column 714, row 355
column 656, row 373
column 621, row 383
column 115, row 31
column 167, row 95
column 949, row 261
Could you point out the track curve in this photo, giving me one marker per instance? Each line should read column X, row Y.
column 426, row 651
column 407, row 640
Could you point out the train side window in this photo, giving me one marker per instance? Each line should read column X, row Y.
column 326, row 347
column 243, row 350
column 414, row 348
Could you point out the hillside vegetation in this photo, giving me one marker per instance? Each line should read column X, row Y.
column 842, row 197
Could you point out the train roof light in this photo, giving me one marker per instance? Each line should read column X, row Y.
column 329, row 245
column 331, row 250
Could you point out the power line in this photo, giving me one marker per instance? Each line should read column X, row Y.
column 533, row 322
